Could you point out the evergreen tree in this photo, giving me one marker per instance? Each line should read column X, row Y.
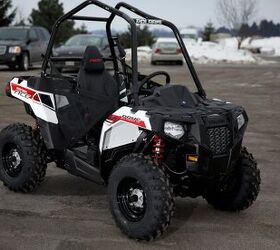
column 264, row 28
column 254, row 30
column 208, row 31
column 145, row 37
column 6, row 14
column 47, row 13
column 269, row 28
column 273, row 29
column 245, row 31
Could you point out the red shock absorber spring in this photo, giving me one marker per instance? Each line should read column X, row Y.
column 158, row 150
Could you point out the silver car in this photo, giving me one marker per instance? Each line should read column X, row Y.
column 166, row 50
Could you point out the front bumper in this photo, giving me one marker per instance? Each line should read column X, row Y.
column 216, row 140
column 208, row 164
column 214, row 165
column 9, row 59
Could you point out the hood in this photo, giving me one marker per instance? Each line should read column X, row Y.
column 11, row 43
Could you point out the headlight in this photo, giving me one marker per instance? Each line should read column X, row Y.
column 240, row 121
column 15, row 50
column 174, row 130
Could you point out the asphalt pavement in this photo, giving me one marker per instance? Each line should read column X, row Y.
column 68, row 212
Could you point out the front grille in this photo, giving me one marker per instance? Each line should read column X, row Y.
column 219, row 138
column 2, row 50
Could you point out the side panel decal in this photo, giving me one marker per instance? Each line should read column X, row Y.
column 123, row 127
column 22, row 92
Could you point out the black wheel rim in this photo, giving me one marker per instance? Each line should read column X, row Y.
column 12, row 160
column 131, row 199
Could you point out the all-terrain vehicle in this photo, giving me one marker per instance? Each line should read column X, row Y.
column 149, row 143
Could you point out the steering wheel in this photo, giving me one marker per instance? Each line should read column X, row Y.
column 149, row 77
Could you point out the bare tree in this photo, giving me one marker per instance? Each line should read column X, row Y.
column 236, row 13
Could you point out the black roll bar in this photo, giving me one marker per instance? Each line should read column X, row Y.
column 113, row 11
column 86, row 18
column 176, row 32
column 132, row 22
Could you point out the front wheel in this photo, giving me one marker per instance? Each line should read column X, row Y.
column 25, row 62
column 240, row 190
column 140, row 198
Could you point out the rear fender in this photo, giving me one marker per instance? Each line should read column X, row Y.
column 41, row 103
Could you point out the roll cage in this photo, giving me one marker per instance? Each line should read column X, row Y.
column 145, row 19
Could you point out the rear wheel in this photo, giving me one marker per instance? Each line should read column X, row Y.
column 22, row 158
column 140, row 198
column 241, row 190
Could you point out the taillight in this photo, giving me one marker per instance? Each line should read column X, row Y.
column 8, row 90
column 157, row 50
column 178, row 51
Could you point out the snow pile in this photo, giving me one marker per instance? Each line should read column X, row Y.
column 205, row 52
column 144, row 54
column 225, row 51
column 229, row 43
column 266, row 45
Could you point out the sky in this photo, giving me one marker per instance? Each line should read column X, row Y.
column 181, row 12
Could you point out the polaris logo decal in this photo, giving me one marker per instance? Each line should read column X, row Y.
column 147, row 21
column 129, row 119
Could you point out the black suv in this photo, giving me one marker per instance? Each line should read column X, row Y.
column 20, row 46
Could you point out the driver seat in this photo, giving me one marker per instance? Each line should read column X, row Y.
column 98, row 90
column 93, row 77
column 91, row 102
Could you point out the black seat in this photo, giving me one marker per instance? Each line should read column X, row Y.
column 96, row 99
column 93, row 77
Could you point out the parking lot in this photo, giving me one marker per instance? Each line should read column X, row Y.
column 70, row 213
